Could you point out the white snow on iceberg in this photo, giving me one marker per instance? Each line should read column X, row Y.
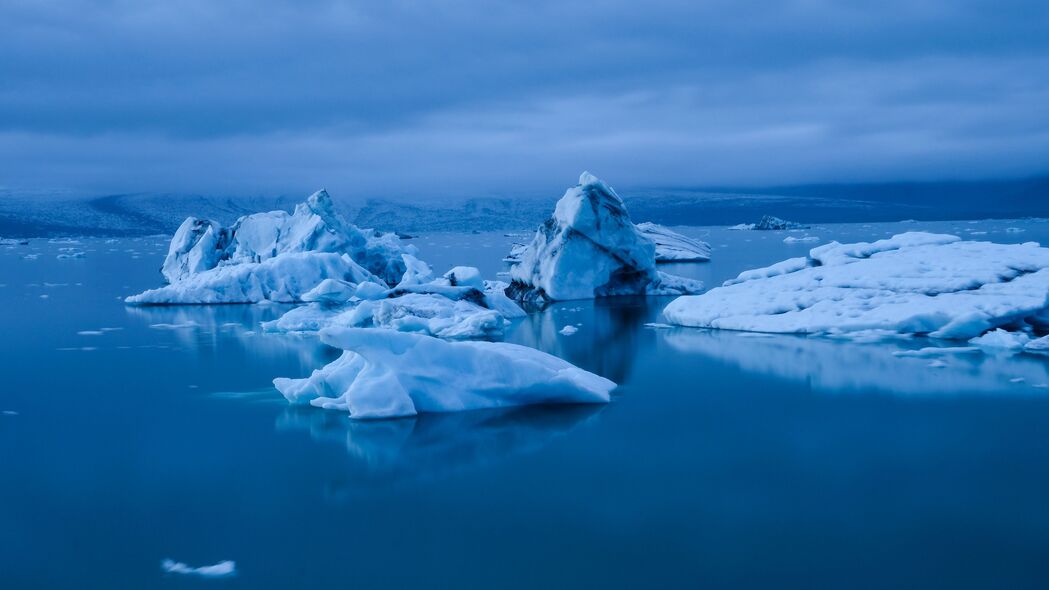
column 589, row 248
column 274, row 256
column 387, row 374
column 283, row 279
column 674, row 247
column 916, row 282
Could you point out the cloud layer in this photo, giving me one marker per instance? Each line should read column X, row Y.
column 466, row 97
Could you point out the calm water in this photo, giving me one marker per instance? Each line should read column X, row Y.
column 725, row 459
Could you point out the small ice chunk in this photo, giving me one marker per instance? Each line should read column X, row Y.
column 568, row 330
column 464, row 276
column 222, row 569
column 800, row 240
column 1001, row 339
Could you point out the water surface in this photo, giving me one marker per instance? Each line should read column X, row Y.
column 725, row 459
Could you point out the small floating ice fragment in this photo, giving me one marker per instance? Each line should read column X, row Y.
column 568, row 330
column 221, row 569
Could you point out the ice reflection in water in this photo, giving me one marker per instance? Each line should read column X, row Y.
column 433, row 446
column 831, row 366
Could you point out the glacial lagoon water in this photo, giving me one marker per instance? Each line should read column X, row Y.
column 131, row 435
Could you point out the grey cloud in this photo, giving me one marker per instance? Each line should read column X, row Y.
column 471, row 96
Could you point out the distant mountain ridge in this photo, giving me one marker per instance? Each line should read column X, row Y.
column 30, row 214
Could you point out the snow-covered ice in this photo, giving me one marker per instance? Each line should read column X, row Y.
column 800, row 239
column 915, row 282
column 1000, row 339
column 590, row 248
column 281, row 279
column 274, row 256
column 386, row 374
column 672, row 246
column 459, row 305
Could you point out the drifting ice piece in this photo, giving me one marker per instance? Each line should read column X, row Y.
column 444, row 307
column 674, row 247
column 913, row 283
column 387, row 374
column 589, row 248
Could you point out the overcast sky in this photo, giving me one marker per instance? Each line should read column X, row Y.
column 486, row 97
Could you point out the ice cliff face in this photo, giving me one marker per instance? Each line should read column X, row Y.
column 589, row 248
column 387, row 374
column 912, row 283
column 208, row 263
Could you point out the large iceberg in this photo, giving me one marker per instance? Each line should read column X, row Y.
column 915, row 283
column 274, row 256
column 589, row 248
column 672, row 246
column 388, row 374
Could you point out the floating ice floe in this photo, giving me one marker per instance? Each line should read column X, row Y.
column 273, row 256
column 568, row 330
column 1038, row 346
column 589, row 248
column 800, row 239
column 459, row 305
column 387, row 374
column 222, row 569
column 1000, row 339
column 913, row 283
column 672, row 246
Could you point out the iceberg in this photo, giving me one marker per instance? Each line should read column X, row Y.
column 912, row 283
column 274, row 256
column 674, row 247
column 388, row 374
column 589, row 248
column 769, row 222
column 283, row 279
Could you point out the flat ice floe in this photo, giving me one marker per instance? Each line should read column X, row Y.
column 912, row 283
column 274, row 256
column 672, row 246
column 387, row 374
column 590, row 248
column 459, row 305
column 222, row 569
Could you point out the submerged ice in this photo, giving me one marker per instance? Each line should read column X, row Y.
column 916, row 283
column 386, row 374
